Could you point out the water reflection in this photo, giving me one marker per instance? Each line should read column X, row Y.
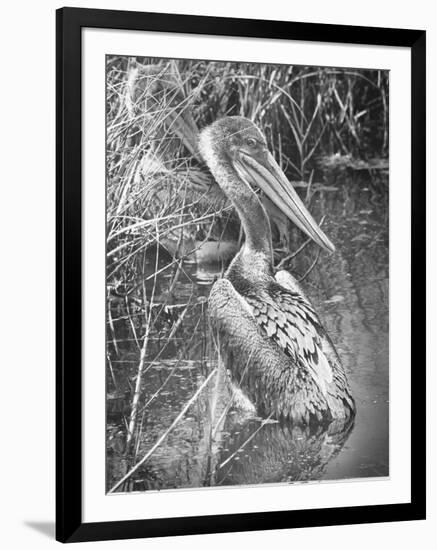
column 278, row 452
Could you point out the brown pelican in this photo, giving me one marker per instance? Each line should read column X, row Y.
column 270, row 337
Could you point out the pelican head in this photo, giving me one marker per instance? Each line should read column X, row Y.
column 235, row 146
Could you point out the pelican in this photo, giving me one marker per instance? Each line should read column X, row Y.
column 270, row 337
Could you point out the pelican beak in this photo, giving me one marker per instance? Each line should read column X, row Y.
column 268, row 176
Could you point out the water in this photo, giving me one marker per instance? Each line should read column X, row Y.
column 211, row 446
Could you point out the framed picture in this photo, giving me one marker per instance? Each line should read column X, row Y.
column 241, row 280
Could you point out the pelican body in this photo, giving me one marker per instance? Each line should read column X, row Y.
column 270, row 337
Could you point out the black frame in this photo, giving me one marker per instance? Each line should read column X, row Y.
column 69, row 526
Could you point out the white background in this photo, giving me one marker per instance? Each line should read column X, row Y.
column 27, row 274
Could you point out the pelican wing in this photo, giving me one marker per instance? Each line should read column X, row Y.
column 249, row 320
column 290, row 321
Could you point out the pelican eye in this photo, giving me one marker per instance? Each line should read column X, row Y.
column 251, row 142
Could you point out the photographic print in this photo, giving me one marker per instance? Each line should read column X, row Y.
column 247, row 265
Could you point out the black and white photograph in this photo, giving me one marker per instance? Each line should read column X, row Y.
column 247, row 273
column 216, row 295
